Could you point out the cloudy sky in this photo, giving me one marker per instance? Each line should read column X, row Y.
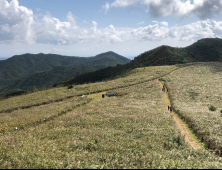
column 89, row 27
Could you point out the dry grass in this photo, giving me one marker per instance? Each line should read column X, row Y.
column 28, row 117
column 193, row 90
column 131, row 131
column 62, row 93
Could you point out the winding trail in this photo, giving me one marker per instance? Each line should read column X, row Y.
column 180, row 124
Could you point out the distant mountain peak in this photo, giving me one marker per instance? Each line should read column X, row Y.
column 202, row 51
column 28, row 70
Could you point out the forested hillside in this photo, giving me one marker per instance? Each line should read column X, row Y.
column 28, row 70
column 205, row 50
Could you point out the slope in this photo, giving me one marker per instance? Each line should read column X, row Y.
column 209, row 49
column 106, row 133
column 21, row 66
column 51, row 77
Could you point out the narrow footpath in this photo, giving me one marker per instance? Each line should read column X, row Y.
column 180, row 124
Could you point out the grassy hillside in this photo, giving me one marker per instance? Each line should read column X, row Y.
column 193, row 91
column 61, row 93
column 29, row 70
column 132, row 130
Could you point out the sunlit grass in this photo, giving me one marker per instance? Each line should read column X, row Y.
column 61, row 93
column 130, row 131
column 193, row 90
column 29, row 117
column 133, row 130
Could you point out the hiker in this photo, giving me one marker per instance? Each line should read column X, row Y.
column 168, row 107
column 103, row 96
column 171, row 109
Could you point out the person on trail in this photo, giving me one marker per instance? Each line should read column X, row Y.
column 171, row 109
column 103, row 96
column 168, row 107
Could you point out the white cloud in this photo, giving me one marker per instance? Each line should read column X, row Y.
column 70, row 19
column 196, row 31
column 190, row 32
column 17, row 25
column 156, row 22
column 94, row 25
column 52, row 31
column 149, row 33
column 140, row 23
column 106, row 8
column 15, row 22
column 124, row 3
column 180, row 8
column 84, row 22
column 165, row 24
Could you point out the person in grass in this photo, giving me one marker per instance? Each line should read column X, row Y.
column 168, row 107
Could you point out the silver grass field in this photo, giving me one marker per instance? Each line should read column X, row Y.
column 131, row 130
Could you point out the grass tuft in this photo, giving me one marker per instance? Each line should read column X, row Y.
column 212, row 108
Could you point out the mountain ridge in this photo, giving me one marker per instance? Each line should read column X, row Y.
column 204, row 50
column 17, row 68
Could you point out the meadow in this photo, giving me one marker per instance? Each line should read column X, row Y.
column 62, row 93
column 130, row 130
column 22, row 118
column 193, row 90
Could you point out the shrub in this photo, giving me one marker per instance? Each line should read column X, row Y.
column 15, row 92
column 212, row 108
column 70, row 86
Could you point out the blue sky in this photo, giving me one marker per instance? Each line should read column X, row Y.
column 89, row 27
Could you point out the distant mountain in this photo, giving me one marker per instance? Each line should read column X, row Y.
column 28, row 70
column 204, row 50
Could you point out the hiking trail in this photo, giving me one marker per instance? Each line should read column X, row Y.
column 180, row 124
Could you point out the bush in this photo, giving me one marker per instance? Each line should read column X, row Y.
column 212, row 108
column 70, row 86
column 14, row 92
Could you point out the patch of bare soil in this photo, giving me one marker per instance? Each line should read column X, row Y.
column 180, row 124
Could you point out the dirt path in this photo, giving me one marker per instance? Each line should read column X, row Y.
column 180, row 124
